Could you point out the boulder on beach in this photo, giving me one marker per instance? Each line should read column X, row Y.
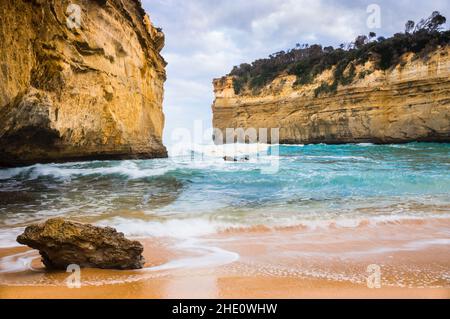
column 62, row 243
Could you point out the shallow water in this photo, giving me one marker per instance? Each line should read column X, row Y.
column 198, row 194
column 313, row 184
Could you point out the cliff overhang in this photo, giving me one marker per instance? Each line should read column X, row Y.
column 79, row 82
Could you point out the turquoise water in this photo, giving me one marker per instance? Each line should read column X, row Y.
column 200, row 193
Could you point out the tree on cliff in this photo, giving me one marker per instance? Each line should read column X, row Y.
column 409, row 26
column 432, row 24
column 360, row 41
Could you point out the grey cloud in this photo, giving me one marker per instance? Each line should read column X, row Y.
column 206, row 38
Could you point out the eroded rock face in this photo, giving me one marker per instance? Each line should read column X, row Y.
column 62, row 243
column 70, row 91
column 408, row 103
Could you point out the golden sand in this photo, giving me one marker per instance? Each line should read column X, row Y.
column 281, row 263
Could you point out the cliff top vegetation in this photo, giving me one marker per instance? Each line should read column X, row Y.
column 307, row 61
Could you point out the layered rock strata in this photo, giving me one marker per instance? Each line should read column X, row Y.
column 410, row 102
column 79, row 81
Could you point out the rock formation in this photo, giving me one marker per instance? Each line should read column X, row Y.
column 410, row 102
column 62, row 243
column 79, row 82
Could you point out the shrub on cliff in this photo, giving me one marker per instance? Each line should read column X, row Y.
column 306, row 62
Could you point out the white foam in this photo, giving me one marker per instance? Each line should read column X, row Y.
column 176, row 228
column 188, row 233
column 208, row 257
column 198, row 227
column 421, row 244
column 8, row 237
column 348, row 223
column 125, row 168
column 404, row 146
column 18, row 262
column 414, row 245
column 12, row 172
column 365, row 144
column 231, row 150
column 289, row 145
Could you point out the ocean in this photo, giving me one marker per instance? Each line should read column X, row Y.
column 198, row 194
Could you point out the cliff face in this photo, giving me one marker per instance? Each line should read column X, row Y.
column 90, row 88
column 408, row 103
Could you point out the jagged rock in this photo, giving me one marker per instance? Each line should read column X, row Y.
column 62, row 243
column 236, row 158
column 79, row 92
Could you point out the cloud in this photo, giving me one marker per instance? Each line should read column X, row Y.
column 206, row 38
column 308, row 20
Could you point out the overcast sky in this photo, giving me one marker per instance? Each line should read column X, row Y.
column 206, row 38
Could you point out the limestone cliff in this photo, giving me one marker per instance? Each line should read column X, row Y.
column 410, row 102
column 79, row 82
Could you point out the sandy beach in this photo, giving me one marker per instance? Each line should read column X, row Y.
column 224, row 150
column 258, row 263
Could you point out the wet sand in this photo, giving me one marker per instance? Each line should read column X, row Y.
column 292, row 262
column 231, row 287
